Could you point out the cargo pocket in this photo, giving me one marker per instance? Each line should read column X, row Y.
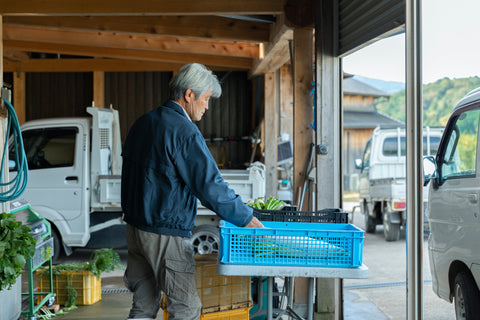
column 180, row 280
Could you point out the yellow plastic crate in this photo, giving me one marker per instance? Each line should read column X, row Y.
column 88, row 287
column 236, row 314
column 219, row 292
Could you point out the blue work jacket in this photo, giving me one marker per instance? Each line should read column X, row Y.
column 166, row 168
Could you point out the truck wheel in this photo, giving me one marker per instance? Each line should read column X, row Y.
column 390, row 230
column 466, row 296
column 370, row 224
column 205, row 239
column 57, row 245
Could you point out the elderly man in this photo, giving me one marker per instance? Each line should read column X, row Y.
column 166, row 168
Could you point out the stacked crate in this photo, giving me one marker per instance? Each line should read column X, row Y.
column 88, row 287
column 223, row 297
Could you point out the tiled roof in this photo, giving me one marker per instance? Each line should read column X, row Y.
column 363, row 120
column 352, row 86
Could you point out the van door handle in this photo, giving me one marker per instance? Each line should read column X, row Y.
column 71, row 178
column 473, row 197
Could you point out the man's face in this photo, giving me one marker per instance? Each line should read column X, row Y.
column 197, row 106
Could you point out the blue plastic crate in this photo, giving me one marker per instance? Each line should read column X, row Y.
column 292, row 244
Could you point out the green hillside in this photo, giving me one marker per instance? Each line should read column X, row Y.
column 439, row 98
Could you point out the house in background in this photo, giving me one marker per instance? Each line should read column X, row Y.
column 360, row 118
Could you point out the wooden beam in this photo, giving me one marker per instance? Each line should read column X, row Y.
column 277, row 48
column 128, row 41
column 271, row 134
column 279, row 59
column 89, row 65
column 209, row 27
column 2, row 106
column 329, row 299
column 1, row 57
column 140, row 7
column 149, row 55
column 302, row 106
column 4, row 206
column 19, row 95
column 99, row 89
column 15, row 55
column 303, row 132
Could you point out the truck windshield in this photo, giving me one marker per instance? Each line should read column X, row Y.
column 391, row 149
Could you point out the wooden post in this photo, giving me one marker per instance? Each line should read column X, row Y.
column 19, row 96
column 329, row 299
column 271, row 133
column 302, row 130
column 302, row 107
column 4, row 206
column 2, row 107
column 99, row 89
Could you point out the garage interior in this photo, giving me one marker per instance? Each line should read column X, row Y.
column 58, row 57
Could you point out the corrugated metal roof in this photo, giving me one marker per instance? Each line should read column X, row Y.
column 364, row 21
column 362, row 120
column 353, row 86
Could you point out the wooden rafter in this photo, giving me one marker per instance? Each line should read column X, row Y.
column 15, row 55
column 59, row 36
column 208, row 27
column 134, row 54
column 140, row 7
column 164, row 32
column 88, row 65
column 277, row 49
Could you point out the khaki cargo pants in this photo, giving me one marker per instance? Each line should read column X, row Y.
column 159, row 263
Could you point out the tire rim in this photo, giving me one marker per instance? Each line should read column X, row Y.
column 205, row 242
column 459, row 303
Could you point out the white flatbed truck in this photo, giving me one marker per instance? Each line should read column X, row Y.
column 382, row 185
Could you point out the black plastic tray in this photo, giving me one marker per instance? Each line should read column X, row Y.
column 333, row 215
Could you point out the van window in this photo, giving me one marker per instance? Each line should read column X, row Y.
column 460, row 156
column 390, row 146
column 49, row 148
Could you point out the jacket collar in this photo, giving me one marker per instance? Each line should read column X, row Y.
column 178, row 108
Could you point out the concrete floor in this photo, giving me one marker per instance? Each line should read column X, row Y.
column 380, row 297
column 116, row 300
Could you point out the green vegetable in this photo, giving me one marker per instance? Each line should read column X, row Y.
column 102, row 260
column 16, row 246
column 271, row 204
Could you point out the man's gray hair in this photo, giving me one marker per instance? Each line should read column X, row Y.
column 197, row 77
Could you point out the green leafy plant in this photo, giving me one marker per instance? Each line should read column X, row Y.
column 271, row 204
column 101, row 260
column 16, row 246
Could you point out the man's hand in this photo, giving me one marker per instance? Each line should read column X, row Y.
column 254, row 223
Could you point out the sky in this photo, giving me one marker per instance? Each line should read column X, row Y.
column 450, row 46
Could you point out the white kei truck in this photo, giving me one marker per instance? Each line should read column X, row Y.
column 382, row 183
column 75, row 181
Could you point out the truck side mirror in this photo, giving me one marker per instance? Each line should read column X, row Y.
column 358, row 163
column 429, row 169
